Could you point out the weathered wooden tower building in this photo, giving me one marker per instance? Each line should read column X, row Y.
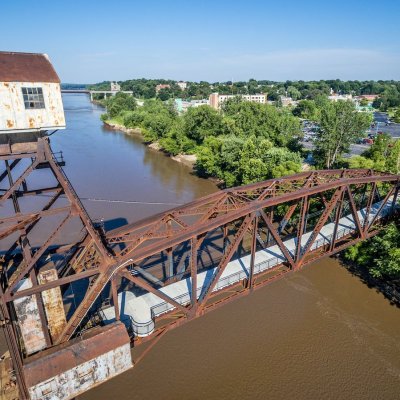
column 38, row 211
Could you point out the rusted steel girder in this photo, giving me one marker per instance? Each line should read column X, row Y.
column 163, row 238
column 250, row 205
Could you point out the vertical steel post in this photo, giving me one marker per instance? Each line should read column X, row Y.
column 115, row 297
column 224, row 239
column 193, row 273
column 396, row 193
column 300, row 227
column 368, row 209
column 337, row 218
column 253, row 252
column 11, row 181
column 170, row 263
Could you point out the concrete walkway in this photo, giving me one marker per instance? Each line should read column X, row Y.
column 139, row 311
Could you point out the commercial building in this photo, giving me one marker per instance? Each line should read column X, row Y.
column 287, row 101
column 182, row 85
column 162, row 86
column 183, row 105
column 115, row 87
column 344, row 97
column 217, row 99
column 369, row 97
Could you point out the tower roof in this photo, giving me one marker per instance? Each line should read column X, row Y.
column 26, row 67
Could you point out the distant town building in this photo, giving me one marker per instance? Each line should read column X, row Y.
column 287, row 101
column 115, row 87
column 216, row 99
column 30, row 94
column 162, row 86
column 344, row 97
column 182, row 85
column 182, row 105
column 369, row 97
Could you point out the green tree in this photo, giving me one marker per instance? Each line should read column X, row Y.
column 306, row 109
column 385, row 154
column 165, row 94
column 397, row 116
column 293, row 92
column 340, row 125
column 360, row 162
column 200, row 122
column 380, row 255
column 120, row 102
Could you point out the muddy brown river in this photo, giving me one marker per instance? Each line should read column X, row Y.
column 317, row 334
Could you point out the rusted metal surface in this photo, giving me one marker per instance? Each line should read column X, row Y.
column 8, row 382
column 159, row 250
column 65, row 371
column 26, row 67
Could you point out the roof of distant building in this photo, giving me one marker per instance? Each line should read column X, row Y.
column 26, row 67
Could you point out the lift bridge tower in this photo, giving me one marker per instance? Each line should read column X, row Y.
column 49, row 248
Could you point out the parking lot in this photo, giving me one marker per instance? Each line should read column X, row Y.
column 380, row 121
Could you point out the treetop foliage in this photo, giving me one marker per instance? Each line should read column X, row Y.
column 245, row 142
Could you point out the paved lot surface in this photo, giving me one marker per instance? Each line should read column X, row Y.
column 380, row 120
column 392, row 129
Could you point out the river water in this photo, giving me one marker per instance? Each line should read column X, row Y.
column 317, row 334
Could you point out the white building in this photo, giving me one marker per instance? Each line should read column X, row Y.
column 115, row 87
column 217, row 99
column 182, row 85
column 287, row 101
column 30, row 94
column 344, row 97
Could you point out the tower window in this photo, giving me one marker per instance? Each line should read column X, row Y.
column 33, row 97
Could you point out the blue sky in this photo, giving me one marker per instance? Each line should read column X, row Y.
column 91, row 41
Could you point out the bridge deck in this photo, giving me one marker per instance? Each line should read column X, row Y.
column 138, row 311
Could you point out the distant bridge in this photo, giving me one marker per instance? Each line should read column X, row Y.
column 92, row 92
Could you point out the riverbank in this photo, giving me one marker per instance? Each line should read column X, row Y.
column 390, row 289
column 186, row 159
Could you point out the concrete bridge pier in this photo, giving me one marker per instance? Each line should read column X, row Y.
column 28, row 312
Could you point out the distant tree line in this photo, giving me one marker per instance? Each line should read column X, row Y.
column 388, row 91
column 73, row 86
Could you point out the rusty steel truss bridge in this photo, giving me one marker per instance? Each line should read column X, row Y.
column 44, row 227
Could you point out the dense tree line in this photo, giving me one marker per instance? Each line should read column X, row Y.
column 244, row 142
column 381, row 254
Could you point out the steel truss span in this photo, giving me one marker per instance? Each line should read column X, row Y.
column 299, row 218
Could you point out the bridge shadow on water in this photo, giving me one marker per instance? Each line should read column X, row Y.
column 114, row 223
